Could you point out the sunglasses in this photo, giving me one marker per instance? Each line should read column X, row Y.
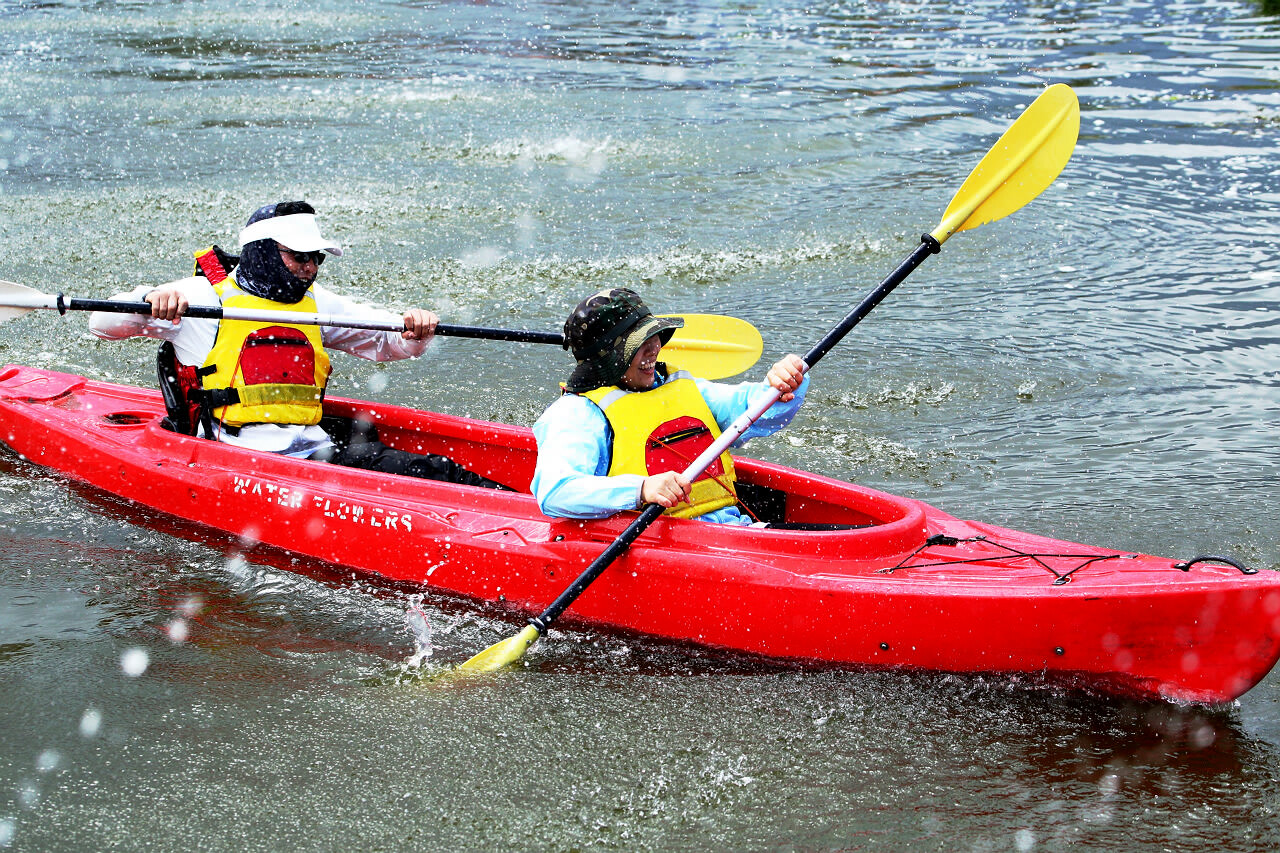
column 304, row 257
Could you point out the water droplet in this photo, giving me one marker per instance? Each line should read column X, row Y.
column 134, row 661
column 90, row 723
column 48, row 760
column 178, row 630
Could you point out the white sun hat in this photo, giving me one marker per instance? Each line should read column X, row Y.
column 296, row 231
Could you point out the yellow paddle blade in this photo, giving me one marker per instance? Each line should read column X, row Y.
column 713, row 346
column 502, row 654
column 1025, row 160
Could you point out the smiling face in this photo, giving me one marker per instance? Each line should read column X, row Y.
column 640, row 373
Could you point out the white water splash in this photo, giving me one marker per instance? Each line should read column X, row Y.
column 416, row 620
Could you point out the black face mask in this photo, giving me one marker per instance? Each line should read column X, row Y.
column 262, row 272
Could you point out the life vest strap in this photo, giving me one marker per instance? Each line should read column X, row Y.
column 215, row 264
column 263, row 395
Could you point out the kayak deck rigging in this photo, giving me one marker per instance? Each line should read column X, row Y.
column 1004, row 553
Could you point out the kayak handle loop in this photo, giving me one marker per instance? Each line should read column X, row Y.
column 1204, row 558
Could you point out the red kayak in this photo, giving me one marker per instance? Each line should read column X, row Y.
column 909, row 586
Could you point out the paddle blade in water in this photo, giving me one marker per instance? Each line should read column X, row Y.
column 503, row 654
column 1022, row 163
column 713, row 347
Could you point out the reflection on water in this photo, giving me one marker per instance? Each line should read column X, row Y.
column 1100, row 366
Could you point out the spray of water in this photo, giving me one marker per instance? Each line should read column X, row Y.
column 415, row 618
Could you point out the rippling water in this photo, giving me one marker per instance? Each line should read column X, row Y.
column 1102, row 366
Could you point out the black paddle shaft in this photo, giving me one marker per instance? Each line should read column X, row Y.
column 211, row 312
column 928, row 246
column 598, row 565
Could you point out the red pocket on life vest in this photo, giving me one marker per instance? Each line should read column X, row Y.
column 676, row 443
column 278, row 356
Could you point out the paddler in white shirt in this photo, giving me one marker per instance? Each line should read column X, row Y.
column 261, row 385
column 625, row 428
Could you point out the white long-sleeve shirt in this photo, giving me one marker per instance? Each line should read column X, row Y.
column 193, row 338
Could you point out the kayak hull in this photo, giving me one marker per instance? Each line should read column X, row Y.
column 913, row 588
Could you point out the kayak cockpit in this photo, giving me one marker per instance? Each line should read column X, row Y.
column 873, row 524
column 508, row 454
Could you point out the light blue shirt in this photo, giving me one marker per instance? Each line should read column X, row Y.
column 575, row 441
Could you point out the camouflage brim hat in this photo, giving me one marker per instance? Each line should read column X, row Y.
column 604, row 333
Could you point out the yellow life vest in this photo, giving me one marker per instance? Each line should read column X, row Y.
column 265, row 373
column 664, row 429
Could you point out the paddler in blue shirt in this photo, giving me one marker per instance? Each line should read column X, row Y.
column 625, row 428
